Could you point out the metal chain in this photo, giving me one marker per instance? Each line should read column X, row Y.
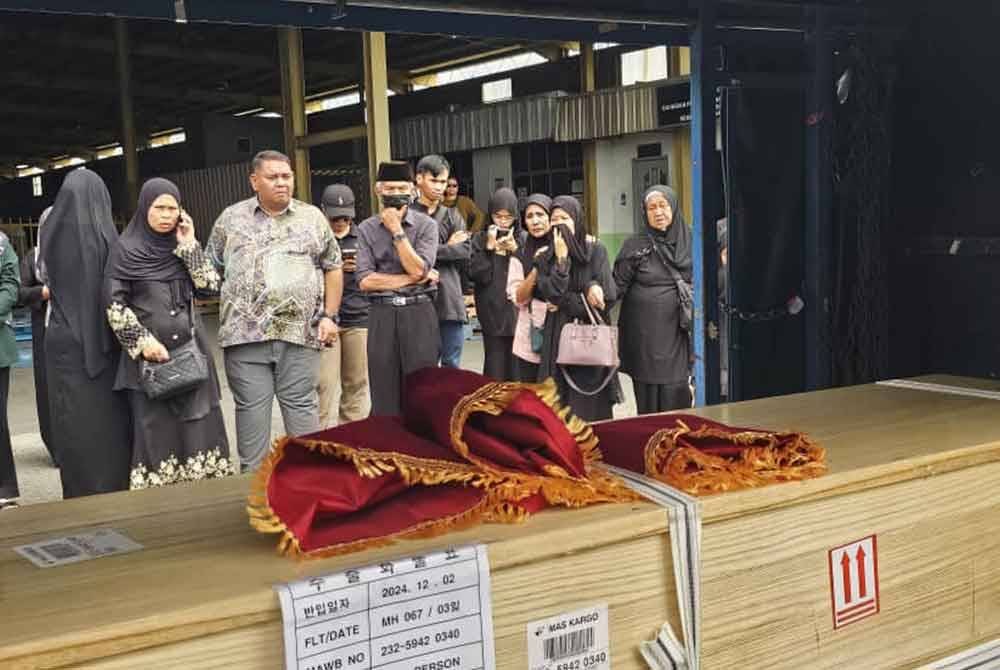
column 771, row 314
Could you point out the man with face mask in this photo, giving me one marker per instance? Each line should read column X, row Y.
column 397, row 249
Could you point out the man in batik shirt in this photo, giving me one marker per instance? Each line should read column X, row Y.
column 281, row 290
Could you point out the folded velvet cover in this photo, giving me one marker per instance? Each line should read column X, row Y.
column 466, row 450
column 469, row 450
column 701, row 456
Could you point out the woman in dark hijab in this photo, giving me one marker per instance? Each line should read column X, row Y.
column 582, row 260
column 34, row 294
column 90, row 422
column 655, row 350
column 522, row 278
column 154, row 273
column 489, row 268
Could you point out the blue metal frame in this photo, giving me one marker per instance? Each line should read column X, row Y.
column 393, row 20
column 705, row 194
column 819, row 198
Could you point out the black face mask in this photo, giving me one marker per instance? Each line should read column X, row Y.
column 397, row 201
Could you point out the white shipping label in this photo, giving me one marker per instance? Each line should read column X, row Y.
column 75, row 548
column 429, row 612
column 578, row 640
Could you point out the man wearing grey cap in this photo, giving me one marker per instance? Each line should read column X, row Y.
column 342, row 384
column 397, row 249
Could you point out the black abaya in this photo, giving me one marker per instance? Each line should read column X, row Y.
column 90, row 422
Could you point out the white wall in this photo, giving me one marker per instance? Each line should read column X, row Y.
column 614, row 179
column 489, row 166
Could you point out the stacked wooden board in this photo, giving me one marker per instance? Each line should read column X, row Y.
column 919, row 470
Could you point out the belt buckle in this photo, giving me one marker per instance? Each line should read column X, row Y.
column 398, row 300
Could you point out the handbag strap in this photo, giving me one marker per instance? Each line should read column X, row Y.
column 678, row 279
column 573, row 385
column 592, row 314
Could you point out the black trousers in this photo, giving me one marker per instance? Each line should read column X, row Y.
column 401, row 340
column 8, row 475
column 499, row 359
column 652, row 398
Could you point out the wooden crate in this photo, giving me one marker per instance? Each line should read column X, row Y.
column 918, row 469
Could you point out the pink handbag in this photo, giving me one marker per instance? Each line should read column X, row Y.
column 593, row 344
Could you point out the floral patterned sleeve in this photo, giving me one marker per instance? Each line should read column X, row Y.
column 203, row 273
column 133, row 336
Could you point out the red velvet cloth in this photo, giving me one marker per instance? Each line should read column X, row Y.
column 508, row 427
column 318, row 493
column 702, row 456
column 467, row 449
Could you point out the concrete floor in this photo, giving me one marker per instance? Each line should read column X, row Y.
column 39, row 479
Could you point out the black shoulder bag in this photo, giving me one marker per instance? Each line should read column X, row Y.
column 684, row 291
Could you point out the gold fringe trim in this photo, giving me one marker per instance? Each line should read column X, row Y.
column 763, row 460
column 557, row 486
column 264, row 519
column 503, row 488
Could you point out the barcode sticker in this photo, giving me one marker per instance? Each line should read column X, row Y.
column 75, row 548
column 578, row 640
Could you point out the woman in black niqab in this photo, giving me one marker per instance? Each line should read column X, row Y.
column 90, row 422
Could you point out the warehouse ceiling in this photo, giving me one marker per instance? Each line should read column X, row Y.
column 60, row 77
column 61, row 85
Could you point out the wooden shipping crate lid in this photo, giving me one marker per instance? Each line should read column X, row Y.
column 204, row 570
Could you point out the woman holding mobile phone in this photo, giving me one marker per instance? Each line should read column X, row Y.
column 153, row 275
column 489, row 266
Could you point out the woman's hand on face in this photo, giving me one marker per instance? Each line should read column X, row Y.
column 155, row 353
column 562, row 251
column 185, row 229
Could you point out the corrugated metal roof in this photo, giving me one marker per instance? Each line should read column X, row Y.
column 559, row 117
column 510, row 122
column 606, row 113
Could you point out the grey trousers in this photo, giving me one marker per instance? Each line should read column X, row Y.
column 258, row 372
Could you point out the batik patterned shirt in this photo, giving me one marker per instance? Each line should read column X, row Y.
column 273, row 272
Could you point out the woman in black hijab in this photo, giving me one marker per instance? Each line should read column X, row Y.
column 153, row 275
column 583, row 260
column 522, row 279
column 489, row 267
column 90, row 422
column 655, row 350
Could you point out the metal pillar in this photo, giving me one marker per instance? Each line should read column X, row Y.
column 293, row 108
column 706, row 194
column 819, row 198
column 376, row 106
column 588, row 83
column 129, row 148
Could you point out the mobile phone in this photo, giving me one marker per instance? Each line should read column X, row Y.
column 349, row 253
column 504, row 233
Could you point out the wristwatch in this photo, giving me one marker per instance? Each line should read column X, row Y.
column 333, row 317
column 398, row 236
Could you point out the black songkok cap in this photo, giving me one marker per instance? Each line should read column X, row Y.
column 394, row 171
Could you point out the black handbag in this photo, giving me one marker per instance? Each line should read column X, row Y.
column 685, row 292
column 186, row 369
